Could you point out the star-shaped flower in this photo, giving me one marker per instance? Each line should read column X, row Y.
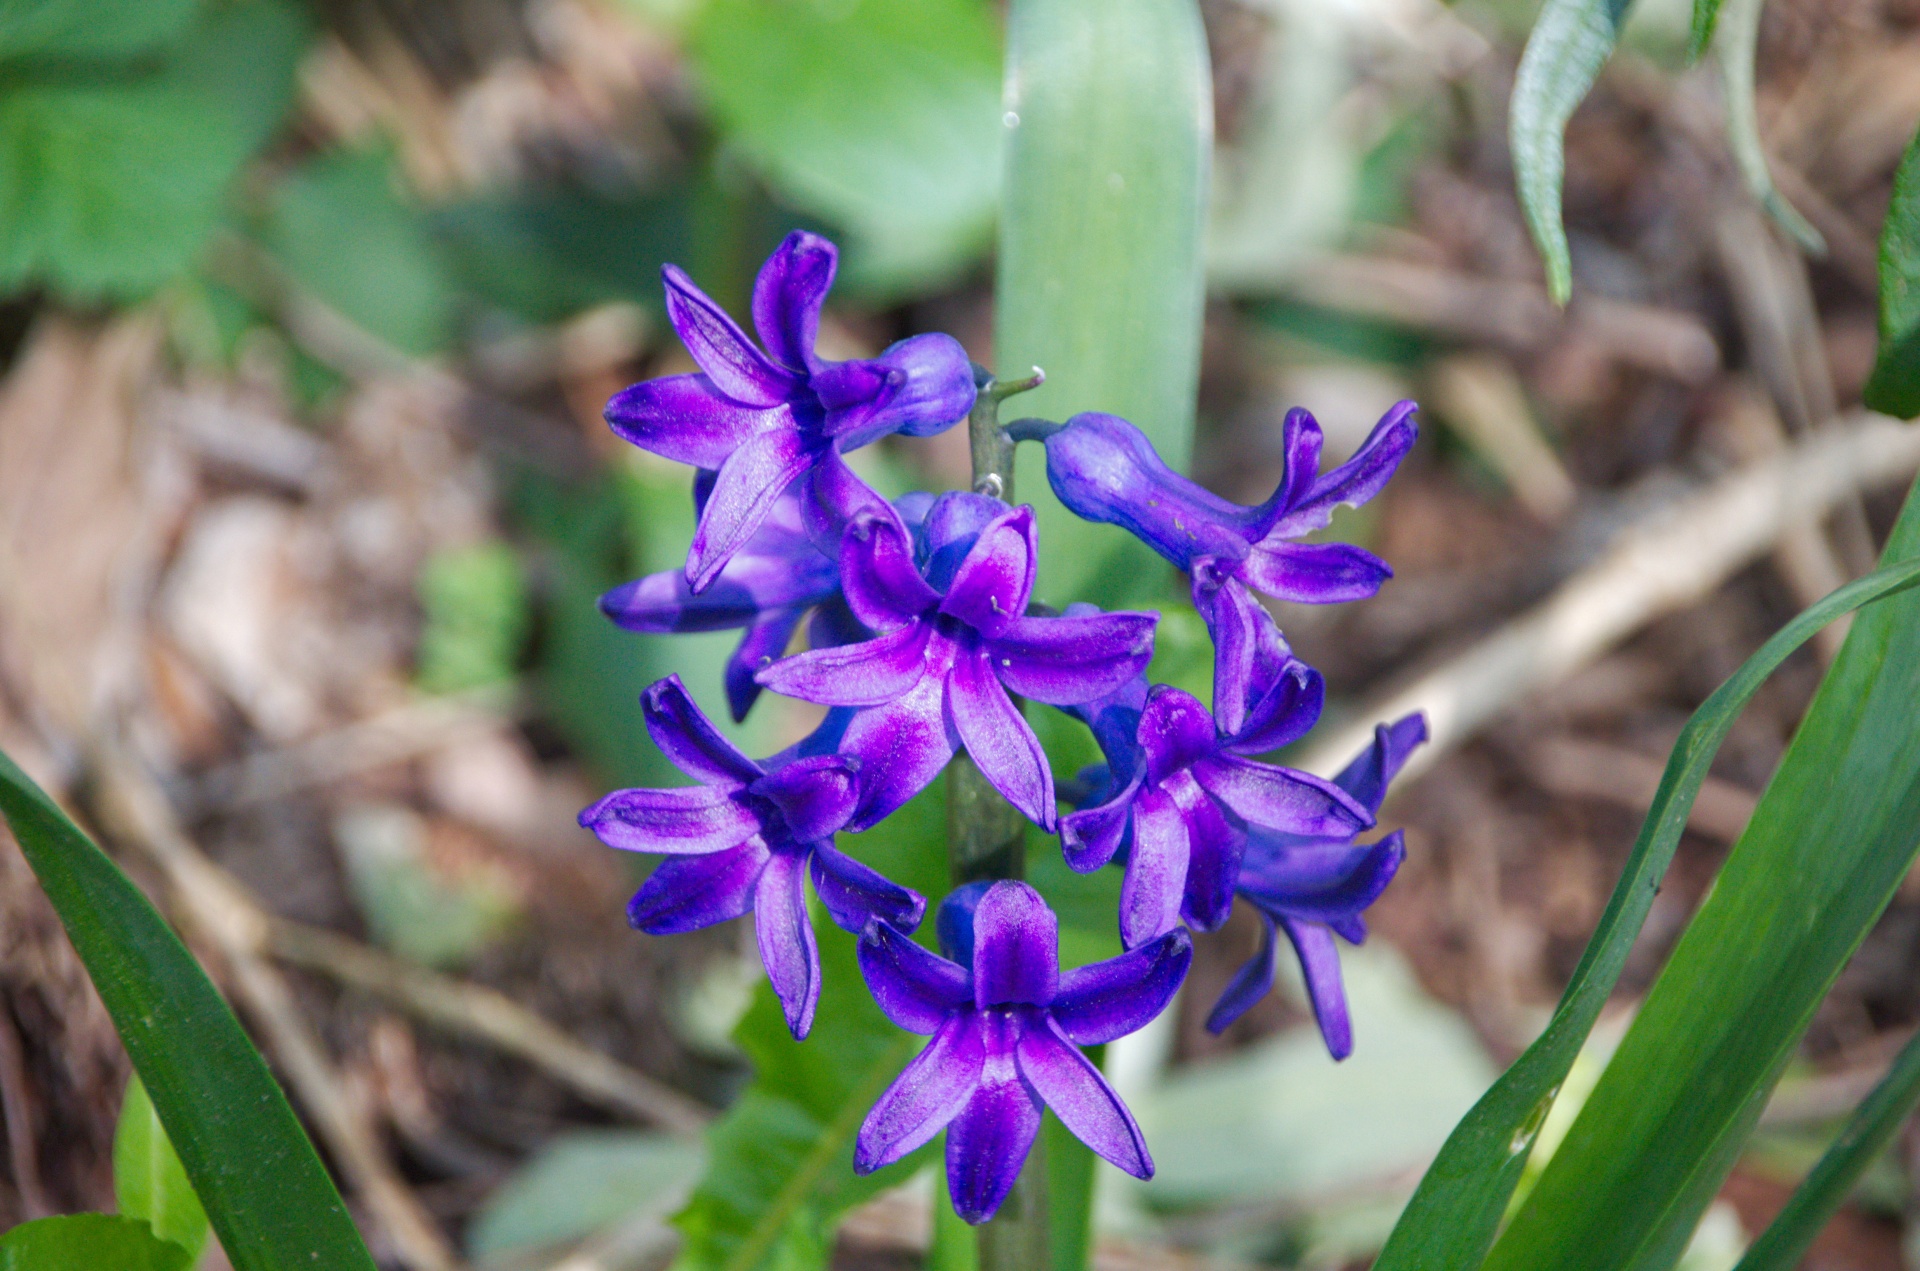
column 745, row 839
column 1006, row 1027
column 765, row 419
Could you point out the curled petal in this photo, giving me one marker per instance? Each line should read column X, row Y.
column 1353, row 482
column 870, row 673
column 1300, row 443
column 1072, row 660
column 950, row 528
column 1242, row 633
column 1367, row 776
column 1320, row 966
column 1250, row 983
column 750, row 483
column 1282, row 798
column 988, row 1141
column 1016, row 948
column 1104, row 469
column 1314, row 573
column 833, row 496
column 686, row 419
column 1284, row 710
column 994, row 580
column 1353, row 881
column 687, row 893
column 683, row 822
column 1090, row 837
column 855, row 894
column 1081, row 1098
column 815, row 795
column 1214, row 848
column 786, row 939
column 931, row 1091
column 918, row 990
column 788, row 294
column 919, row 386
column 999, row 739
column 760, row 646
column 902, row 747
column 688, row 738
column 1104, row 1001
column 1176, row 732
column 722, row 349
column 1156, row 871
column 882, row 583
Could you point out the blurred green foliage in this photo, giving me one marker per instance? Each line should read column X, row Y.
column 474, row 601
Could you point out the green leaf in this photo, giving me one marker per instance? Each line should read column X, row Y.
column 583, row 1182
column 1833, row 836
column 1738, row 41
column 882, row 116
column 148, row 1179
column 1452, row 1218
column 781, row 1159
column 1867, row 1133
column 1099, row 278
column 110, row 186
column 1570, row 43
column 89, row 29
column 89, row 1242
column 1895, row 385
column 251, row 1164
column 474, row 600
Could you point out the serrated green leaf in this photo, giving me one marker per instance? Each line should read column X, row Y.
column 881, row 116
column 1451, row 1220
column 249, row 1161
column 1736, row 45
column 90, row 29
column 88, row 1242
column 1099, row 278
column 1571, row 41
column 1895, row 385
column 1832, row 838
column 149, row 1182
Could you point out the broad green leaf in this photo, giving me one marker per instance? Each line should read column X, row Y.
column 148, row 1180
column 1833, row 836
column 1571, row 41
column 1109, row 114
column 1866, row 1135
column 1895, row 386
column 251, row 1164
column 342, row 229
column 881, row 116
column 583, row 1182
column 1452, row 1218
column 89, row 1242
column 89, row 29
column 109, row 186
column 1737, row 43
column 780, row 1170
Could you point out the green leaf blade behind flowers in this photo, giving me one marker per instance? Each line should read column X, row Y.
column 76, row 30
column 1895, row 385
column 149, row 1182
column 89, row 1242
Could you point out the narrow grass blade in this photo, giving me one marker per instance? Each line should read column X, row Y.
column 1895, row 386
column 252, row 1165
column 1736, row 45
column 1866, row 1135
column 1833, row 836
column 1454, row 1214
column 1571, row 41
column 1109, row 111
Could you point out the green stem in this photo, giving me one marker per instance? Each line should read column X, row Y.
column 986, row 839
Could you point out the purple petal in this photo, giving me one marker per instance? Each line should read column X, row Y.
column 954, row 925
column 1282, row 798
column 1104, row 469
column 951, row 527
column 1314, row 573
column 832, row 498
column 1300, row 442
column 1156, row 871
column 988, row 1141
column 931, row 1091
column 686, row 419
column 722, row 349
column 1016, row 948
column 1176, row 732
column 870, row 673
column 686, row 893
column 855, row 894
column 762, row 644
column 1090, row 837
column 1068, row 661
column 1242, row 632
column 993, row 582
column 788, row 294
column 1345, row 885
column 1107, row 1000
column 917, row 989
column 786, row 939
column 999, row 739
column 1081, row 1098
column 1353, row 482
column 750, row 483
column 1214, row 847
column 1320, row 966
column 902, row 747
column 1284, row 711
column 683, row 822
column 833, row 624
column 690, row 741
column 1367, row 776
column 815, row 795
column 882, row 584
column 1250, row 983
column 919, row 386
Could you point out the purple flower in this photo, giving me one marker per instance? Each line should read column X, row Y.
column 764, row 420
column 1313, row 887
column 1180, row 806
column 954, row 643
column 744, row 839
column 1105, row 469
column 1006, row 1028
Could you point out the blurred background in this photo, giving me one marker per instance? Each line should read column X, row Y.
column 307, row 316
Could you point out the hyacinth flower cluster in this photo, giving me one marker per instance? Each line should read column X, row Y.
column 923, row 641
